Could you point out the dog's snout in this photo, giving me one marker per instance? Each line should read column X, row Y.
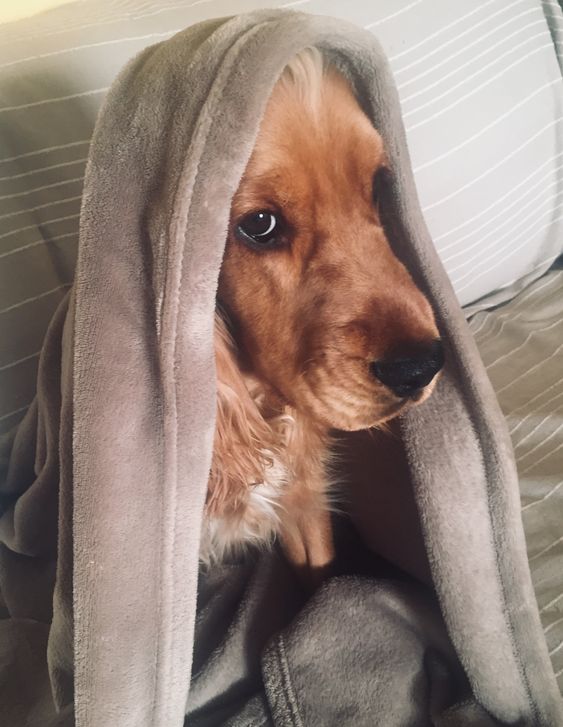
column 406, row 375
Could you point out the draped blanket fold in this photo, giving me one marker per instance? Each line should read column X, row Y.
column 104, row 481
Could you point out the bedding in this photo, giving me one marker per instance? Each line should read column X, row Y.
column 481, row 93
column 107, row 474
column 48, row 114
column 521, row 344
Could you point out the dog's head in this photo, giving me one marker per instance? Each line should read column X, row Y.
column 322, row 310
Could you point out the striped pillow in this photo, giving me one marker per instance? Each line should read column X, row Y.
column 482, row 96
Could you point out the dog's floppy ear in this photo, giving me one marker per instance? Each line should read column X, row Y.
column 244, row 442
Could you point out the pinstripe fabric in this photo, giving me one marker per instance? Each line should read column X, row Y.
column 522, row 346
column 554, row 16
column 481, row 91
column 482, row 97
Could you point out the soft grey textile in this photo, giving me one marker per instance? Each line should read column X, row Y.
column 341, row 660
column 406, row 654
column 481, row 92
column 121, row 435
column 25, row 694
column 522, row 347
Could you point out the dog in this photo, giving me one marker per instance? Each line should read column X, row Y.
column 319, row 326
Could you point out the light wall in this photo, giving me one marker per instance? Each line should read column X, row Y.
column 16, row 9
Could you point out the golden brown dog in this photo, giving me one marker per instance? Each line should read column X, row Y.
column 320, row 327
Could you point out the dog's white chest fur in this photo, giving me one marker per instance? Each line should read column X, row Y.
column 256, row 520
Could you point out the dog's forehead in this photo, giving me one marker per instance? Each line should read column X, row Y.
column 324, row 106
column 335, row 137
column 310, row 155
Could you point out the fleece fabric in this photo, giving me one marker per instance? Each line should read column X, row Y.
column 104, row 481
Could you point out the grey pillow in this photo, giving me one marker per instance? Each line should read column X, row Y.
column 482, row 95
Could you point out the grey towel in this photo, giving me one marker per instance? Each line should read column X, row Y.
column 106, row 477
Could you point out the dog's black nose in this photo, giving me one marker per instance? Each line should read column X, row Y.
column 407, row 375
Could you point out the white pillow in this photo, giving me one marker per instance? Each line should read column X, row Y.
column 482, row 96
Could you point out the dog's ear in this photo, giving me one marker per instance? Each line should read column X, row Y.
column 244, row 442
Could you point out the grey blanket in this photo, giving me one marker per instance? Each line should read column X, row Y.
column 105, row 479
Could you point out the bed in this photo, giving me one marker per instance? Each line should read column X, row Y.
column 486, row 138
column 521, row 343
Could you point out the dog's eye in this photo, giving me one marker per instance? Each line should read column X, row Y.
column 259, row 228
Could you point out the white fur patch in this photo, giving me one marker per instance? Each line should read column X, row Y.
column 255, row 524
